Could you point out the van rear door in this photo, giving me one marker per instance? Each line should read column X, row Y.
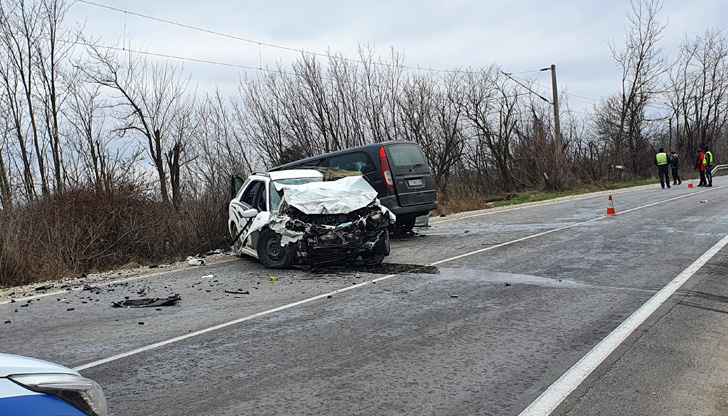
column 412, row 176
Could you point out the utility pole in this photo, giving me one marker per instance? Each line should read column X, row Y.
column 557, row 125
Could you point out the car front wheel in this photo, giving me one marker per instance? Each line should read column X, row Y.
column 270, row 252
column 380, row 251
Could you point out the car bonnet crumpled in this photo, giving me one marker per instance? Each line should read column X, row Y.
column 333, row 197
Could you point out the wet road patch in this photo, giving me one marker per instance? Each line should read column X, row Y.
column 383, row 268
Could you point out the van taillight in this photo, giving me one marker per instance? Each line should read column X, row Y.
column 386, row 172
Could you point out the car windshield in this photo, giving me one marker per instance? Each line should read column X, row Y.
column 275, row 196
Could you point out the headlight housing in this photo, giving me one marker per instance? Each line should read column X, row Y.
column 87, row 395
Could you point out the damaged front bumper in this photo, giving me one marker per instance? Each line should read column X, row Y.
column 361, row 232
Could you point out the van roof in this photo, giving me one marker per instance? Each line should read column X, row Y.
column 344, row 151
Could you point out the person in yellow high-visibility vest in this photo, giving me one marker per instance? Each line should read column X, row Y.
column 708, row 161
column 662, row 167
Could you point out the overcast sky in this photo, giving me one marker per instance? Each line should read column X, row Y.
column 518, row 35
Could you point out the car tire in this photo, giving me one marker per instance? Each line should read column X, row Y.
column 270, row 252
column 379, row 252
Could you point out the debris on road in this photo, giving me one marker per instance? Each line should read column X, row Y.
column 238, row 292
column 705, row 201
column 147, row 303
column 195, row 261
column 87, row 287
column 273, row 279
column 46, row 287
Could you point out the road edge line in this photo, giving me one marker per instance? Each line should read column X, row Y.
column 557, row 392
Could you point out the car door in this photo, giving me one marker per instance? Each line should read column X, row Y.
column 252, row 195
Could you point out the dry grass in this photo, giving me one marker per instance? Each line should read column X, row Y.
column 461, row 205
column 81, row 232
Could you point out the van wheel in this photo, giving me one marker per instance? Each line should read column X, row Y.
column 270, row 252
column 404, row 225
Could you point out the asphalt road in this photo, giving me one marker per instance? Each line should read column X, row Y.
column 517, row 297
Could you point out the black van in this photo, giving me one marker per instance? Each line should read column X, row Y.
column 396, row 169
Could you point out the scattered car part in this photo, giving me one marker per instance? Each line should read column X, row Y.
column 147, row 303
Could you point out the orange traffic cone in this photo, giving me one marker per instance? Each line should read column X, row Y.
column 610, row 209
column 690, row 183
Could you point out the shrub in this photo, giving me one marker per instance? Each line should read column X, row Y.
column 84, row 231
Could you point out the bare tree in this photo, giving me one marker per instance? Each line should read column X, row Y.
column 148, row 102
column 20, row 29
column 98, row 161
column 697, row 92
column 491, row 109
column 181, row 132
column 431, row 115
column 381, row 83
column 642, row 63
column 6, row 193
column 222, row 149
column 269, row 116
column 53, row 49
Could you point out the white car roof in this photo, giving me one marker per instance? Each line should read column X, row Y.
column 16, row 364
column 295, row 174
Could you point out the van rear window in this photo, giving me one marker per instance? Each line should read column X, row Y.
column 405, row 155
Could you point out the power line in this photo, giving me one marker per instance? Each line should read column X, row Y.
column 302, row 51
column 562, row 93
column 259, row 43
column 524, row 86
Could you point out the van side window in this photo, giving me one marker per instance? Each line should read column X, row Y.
column 310, row 163
column 357, row 162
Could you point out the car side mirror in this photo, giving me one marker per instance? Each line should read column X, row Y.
column 250, row 213
column 235, row 184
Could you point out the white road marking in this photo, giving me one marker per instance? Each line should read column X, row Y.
column 325, row 295
column 550, row 399
column 225, row 325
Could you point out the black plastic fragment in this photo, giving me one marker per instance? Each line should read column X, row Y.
column 147, row 303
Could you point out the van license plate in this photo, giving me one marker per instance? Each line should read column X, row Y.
column 414, row 182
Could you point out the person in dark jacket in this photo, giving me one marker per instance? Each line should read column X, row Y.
column 700, row 166
column 662, row 165
column 675, row 165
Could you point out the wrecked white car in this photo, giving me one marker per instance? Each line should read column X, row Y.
column 301, row 217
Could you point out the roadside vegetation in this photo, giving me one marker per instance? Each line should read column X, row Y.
column 109, row 155
column 464, row 204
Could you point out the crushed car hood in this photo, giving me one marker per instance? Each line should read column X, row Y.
column 334, row 197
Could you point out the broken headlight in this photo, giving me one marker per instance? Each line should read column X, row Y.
column 87, row 395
